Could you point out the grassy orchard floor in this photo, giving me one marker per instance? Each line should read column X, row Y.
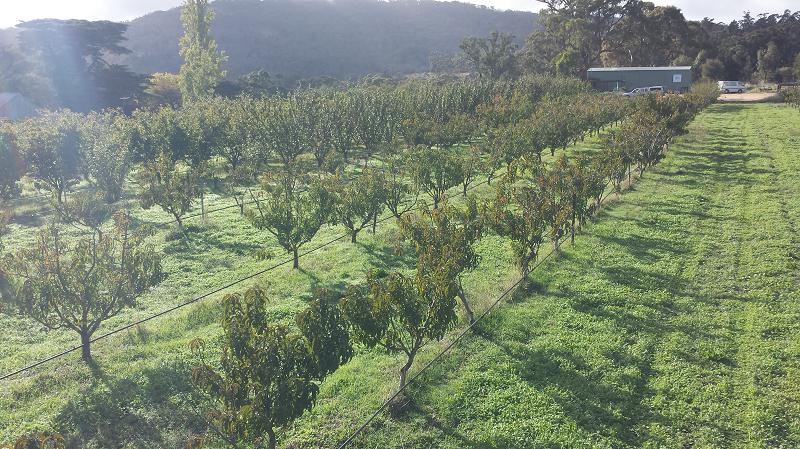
column 673, row 322
column 139, row 390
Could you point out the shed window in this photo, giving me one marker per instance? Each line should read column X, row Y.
column 677, row 78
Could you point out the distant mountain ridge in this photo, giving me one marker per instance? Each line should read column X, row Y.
column 311, row 38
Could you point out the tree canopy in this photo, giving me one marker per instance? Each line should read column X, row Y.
column 579, row 34
column 201, row 69
column 73, row 56
column 78, row 285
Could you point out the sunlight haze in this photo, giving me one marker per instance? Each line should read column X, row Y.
column 15, row 11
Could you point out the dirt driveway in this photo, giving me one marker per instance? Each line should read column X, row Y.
column 749, row 97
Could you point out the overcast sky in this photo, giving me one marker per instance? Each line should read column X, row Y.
column 13, row 11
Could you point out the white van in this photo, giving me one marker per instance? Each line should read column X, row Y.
column 644, row 91
column 732, row 87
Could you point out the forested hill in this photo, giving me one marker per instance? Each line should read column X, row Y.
column 309, row 38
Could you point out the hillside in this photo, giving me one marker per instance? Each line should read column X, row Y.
column 342, row 38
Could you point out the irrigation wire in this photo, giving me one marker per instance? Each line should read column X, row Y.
column 46, row 211
column 171, row 309
column 273, row 267
column 459, row 337
column 196, row 299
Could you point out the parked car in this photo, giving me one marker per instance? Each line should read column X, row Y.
column 732, row 87
column 644, row 91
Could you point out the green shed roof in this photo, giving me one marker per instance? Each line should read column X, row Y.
column 630, row 69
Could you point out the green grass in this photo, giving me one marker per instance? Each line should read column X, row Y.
column 673, row 322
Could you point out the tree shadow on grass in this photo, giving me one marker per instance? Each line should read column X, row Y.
column 604, row 404
column 597, row 407
column 434, row 421
column 151, row 409
column 28, row 219
column 199, row 241
column 383, row 257
column 339, row 287
column 609, row 404
column 665, row 207
column 728, row 108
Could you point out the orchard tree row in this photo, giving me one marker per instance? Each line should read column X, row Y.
column 268, row 375
column 219, row 138
column 78, row 283
column 174, row 149
column 176, row 155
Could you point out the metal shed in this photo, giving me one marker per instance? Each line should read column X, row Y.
column 673, row 79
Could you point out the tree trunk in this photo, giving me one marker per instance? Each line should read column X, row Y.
column 112, row 196
column 572, row 229
column 178, row 220
column 374, row 222
column 203, row 207
column 6, row 292
column 405, row 368
column 272, row 440
column 353, row 235
column 525, row 268
column 296, row 264
column 367, row 157
column 465, row 303
column 465, row 189
column 86, row 350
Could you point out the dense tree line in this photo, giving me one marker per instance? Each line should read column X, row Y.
column 576, row 35
column 273, row 46
column 295, row 146
column 219, row 143
column 80, row 65
column 66, row 63
column 572, row 36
